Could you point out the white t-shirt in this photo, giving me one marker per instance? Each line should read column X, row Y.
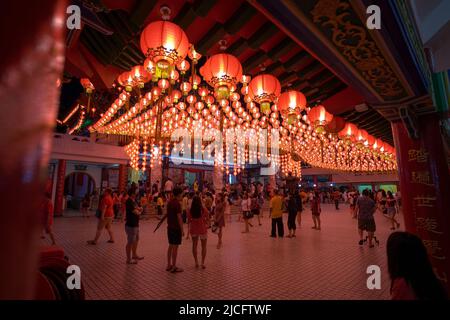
column 245, row 204
column 168, row 186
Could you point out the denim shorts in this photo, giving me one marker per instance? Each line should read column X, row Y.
column 132, row 234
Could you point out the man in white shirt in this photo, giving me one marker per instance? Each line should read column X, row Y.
column 168, row 186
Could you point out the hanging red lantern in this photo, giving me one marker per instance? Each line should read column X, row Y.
column 319, row 118
column 126, row 80
column 361, row 137
column 336, row 125
column 193, row 55
column 140, row 75
column 264, row 89
column 348, row 134
column 87, row 85
column 291, row 101
column 183, row 66
column 222, row 71
column 165, row 43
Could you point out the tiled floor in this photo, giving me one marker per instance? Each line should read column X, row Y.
column 326, row 264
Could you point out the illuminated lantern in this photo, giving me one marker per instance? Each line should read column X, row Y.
column 126, row 80
column 361, row 137
column 183, row 66
column 370, row 140
column 140, row 75
column 319, row 118
column 209, row 100
column 163, row 84
column 191, row 99
column 291, row 101
column 195, row 80
column 87, row 85
column 185, row 87
column 222, row 72
column 165, row 43
column 264, row 89
column 336, row 125
column 149, row 65
column 193, row 55
column 348, row 134
column 176, row 95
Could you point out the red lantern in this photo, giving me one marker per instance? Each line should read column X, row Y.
column 361, row 137
column 349, row 132
column 370, row 140
column 222, row 71
column 193, row 55
column 319, row 118
column 290, row 101
column 164, row 42
column 140, row 75
column 126, row 80
column 87, row 85
column 183, row 66
column 264, row 89
column 336, row 125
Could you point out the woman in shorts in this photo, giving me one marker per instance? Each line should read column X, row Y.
column 198, row 218
column 391, row 210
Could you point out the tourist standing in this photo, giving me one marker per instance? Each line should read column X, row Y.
column 132, row 228
column 365, row 208
column 47, row 217
column 174, row 230
column 105, row 218
column 299, row 202
column 336, row 198
column 391, row 210
column 292, row 208
column 255, row 206
column 219, row 216
column 168, row 187
column 316, row 210
column 198, row 217
column 246, row 211
column 276, row 213
column 410, row 270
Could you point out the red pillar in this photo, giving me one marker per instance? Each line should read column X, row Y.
column 425, row 181
column 59, row 193
column 123, row 175
column 29, row 102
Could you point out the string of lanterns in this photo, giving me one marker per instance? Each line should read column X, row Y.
column 222, row 97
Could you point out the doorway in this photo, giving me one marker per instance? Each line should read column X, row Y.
column 76, row 185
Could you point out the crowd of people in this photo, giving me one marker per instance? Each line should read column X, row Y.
column 201, row 210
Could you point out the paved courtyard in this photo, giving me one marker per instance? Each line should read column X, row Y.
column 326, row 264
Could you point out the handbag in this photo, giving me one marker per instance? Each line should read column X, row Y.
column 215, row 228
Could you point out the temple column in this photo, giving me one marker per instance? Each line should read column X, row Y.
column 424, row 181
column 29, row 100
column 156, row 174
column 123, row 177
column 59, row 193
column 217, row 179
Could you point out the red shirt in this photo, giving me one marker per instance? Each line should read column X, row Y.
column 107, row 205
column 197, row 226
